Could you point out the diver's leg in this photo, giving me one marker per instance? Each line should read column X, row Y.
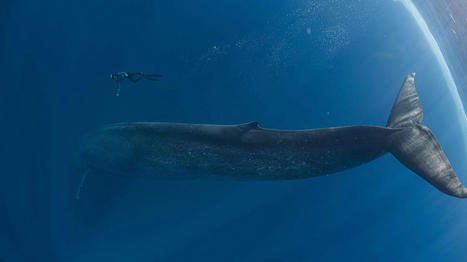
column 154, row 77
column 131, row 77
column 135, row 77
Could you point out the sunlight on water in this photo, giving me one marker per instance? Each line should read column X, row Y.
column 442, row 62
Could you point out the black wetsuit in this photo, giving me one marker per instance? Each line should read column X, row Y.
column 133, row 77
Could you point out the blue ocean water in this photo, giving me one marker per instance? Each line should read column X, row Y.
column 287, row 64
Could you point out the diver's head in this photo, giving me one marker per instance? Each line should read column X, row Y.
column 113, row 76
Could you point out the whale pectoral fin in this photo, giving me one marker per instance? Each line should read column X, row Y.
column 248, row 126
column 81, row 185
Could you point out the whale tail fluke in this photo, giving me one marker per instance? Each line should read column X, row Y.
column 416, row 147
column 407, row 109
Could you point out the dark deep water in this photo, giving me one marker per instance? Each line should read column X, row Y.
column 288, row 64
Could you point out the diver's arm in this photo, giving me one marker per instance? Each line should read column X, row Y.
column 118, row 89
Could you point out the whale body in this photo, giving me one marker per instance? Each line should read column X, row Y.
column 250, row 152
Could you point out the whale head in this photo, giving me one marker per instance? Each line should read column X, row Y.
column 109, row 150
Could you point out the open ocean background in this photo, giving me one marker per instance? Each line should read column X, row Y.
column 287, row 64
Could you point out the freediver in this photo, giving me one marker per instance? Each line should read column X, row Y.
column 133, row 77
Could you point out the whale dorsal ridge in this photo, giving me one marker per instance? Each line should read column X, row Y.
column 248, row 126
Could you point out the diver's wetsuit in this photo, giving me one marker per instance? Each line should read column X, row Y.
column 136, row 76
column 133, row 77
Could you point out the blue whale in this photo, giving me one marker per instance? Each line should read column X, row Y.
column 250, row 152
